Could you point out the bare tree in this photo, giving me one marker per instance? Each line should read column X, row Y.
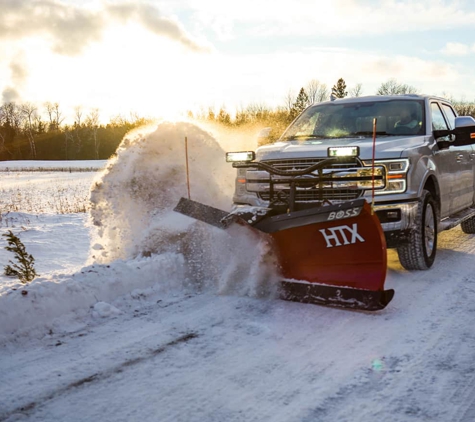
column 357, row 90
column 29, row 112
column 316, row 91
column 289, row 100
column 49, row 111
column 393, row 87
column 77, row 128
column 58, row 116
column 54, row 115
column 92, row 123
column 77, row 115
column 257, row 111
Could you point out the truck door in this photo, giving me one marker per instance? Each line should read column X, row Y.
column 450, row 114
column 455, row 164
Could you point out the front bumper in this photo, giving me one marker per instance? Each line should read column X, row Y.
column 398, row 216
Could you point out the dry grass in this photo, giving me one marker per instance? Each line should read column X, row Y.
column 45, row 193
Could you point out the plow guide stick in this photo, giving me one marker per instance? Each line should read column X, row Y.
column 332, row 255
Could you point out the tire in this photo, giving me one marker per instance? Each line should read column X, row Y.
column 419, row 253
column 468, row 226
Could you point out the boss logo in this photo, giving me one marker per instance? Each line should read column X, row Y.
column 338, row 215
column 341, row 235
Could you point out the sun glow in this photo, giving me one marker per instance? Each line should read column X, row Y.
column 130, row 70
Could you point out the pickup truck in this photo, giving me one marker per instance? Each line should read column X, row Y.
column 422, row 150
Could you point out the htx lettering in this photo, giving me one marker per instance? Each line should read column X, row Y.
column 339, row 234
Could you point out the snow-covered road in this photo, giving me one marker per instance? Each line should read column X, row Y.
column 204, row 357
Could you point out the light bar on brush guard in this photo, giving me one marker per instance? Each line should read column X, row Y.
column 241, row 156
column 343, row 151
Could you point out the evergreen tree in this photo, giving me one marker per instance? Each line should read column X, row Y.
column 339, row 90
column 24, row 270
column 300, row 104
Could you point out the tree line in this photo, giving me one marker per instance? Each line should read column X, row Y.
column 29, row 133
column 278, row 118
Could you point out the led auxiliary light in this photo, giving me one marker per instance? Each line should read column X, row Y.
column 343, row 151
column 232, row 157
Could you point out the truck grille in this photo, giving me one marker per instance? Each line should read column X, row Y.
column 301, row 163
column 313, row 194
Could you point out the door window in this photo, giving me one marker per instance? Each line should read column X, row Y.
column 450, row 114
column 438, row 121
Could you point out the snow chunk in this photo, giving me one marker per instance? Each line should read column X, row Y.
column 105, row 310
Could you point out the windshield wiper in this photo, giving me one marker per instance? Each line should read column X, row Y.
column 370, row 132
column 304, row 137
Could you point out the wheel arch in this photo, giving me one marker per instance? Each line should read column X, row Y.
column 432, row 186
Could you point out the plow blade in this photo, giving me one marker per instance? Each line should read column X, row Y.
column 340, row 245
column 338, row 297
column 332, row 255
column 212, row 216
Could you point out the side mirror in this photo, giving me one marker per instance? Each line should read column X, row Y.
column 442, row 133
column 464, row 130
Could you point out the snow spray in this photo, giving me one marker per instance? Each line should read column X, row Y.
column 132, row 210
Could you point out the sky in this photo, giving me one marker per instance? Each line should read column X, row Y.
column 162, row 58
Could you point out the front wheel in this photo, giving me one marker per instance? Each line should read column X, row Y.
column 468, row 226
column 419, row 252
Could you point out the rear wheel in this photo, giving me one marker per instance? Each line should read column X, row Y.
column 419, row 252
column 468, row 226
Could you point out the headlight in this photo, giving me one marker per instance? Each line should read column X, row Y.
column 241, row 156
column 396, row 175
column 343, row 151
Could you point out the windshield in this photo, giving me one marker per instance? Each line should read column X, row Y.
column 327, row 121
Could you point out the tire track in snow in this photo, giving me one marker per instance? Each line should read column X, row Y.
column 97, row 377
column 429, row 361
column 465, row 398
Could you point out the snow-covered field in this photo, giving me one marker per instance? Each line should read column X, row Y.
column 139, row 314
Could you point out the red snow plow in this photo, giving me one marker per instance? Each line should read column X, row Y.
column 329, row 254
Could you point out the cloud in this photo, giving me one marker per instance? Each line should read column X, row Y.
column 10, row 95
column 457, row 49
column 18, row 69
column 341, row 18
column 150, row 18
column 19, row 75
column 70, row 28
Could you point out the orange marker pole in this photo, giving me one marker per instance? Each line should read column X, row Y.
column 187, row 168
column 372, row 164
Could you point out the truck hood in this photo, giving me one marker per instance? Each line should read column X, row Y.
column 387, row 147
